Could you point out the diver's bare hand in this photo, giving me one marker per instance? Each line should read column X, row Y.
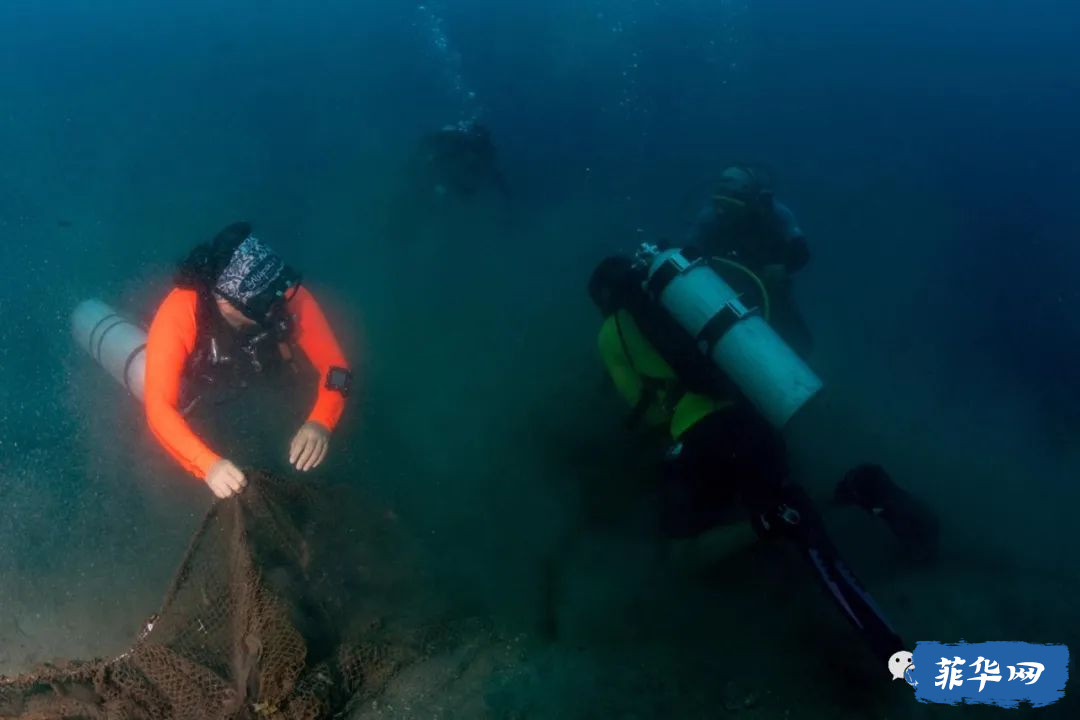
column 225, row 479
column 308, row 449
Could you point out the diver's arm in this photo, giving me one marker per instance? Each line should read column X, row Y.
column 316, row 338
column 170, row 342
column 706, row 234
column 796, row 252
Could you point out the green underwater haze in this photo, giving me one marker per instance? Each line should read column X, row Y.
column 929, row 152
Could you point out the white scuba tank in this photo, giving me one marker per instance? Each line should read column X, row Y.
column 118, row 344
column 741, row 343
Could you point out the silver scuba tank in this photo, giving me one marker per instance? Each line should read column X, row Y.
column 741, row 343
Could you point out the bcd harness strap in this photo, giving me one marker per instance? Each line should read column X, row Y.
column 210, row 366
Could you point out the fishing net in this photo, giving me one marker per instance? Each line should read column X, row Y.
column 251, row 627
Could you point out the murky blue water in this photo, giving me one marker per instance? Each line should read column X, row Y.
column 930, row 154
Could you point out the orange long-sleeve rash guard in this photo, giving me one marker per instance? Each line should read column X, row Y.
column 171, row 341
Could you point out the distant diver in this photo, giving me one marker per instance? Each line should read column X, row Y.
column 745, row 223
column 459, row 162
column 684, row 342
column 451, row 183
column 237, row 311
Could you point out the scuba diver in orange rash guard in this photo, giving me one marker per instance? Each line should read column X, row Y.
column 237, row 310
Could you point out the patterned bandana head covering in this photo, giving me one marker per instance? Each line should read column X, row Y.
column 250, row 280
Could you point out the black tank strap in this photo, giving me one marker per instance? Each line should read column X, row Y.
column 127, row 364
column 93, row 331
column 719, row 324
column 650, row 387
column 101, row 338
column 660, row 279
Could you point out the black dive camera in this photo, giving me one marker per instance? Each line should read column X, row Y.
column 339, row 379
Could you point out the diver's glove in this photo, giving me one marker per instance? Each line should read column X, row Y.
column 911, row 520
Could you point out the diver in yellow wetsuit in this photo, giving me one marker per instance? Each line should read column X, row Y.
column 722, row 451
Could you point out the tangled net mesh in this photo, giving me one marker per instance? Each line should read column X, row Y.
column 246, row 630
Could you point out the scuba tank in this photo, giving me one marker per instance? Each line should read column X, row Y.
column 115, row 342
column 119, row 345
column 737, row 339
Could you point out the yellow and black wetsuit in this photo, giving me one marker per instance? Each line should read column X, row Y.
column 649, row 383
column 724, row 452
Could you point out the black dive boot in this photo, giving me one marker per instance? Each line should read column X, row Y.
column 796, row 518
column 909, row 518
